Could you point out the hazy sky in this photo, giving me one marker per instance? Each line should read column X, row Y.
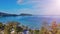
column 37, row 7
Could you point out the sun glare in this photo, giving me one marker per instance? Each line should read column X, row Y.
column 54, row 8
column 58, row 3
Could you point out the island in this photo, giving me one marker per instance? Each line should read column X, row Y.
column 23, row 14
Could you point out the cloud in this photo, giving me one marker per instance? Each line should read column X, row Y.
column 43, row 7
column 19, row 1
column 36, row 7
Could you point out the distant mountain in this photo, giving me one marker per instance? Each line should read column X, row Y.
column 6, row 14
column 22, row 14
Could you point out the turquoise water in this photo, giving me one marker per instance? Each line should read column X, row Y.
column 34, row 22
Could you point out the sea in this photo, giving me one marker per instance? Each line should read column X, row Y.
column 33, row 22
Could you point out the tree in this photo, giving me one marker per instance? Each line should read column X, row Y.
column 15, row 26
column 1, row 26
column 31, row 31
column 6, row 29
column 9, row 26
column 0, row 23
column 36, row 31
column 44, row 28
column 54, row 27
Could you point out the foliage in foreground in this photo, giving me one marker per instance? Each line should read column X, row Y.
column 53, row 28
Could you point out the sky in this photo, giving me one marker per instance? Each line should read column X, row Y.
column 36, row 7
